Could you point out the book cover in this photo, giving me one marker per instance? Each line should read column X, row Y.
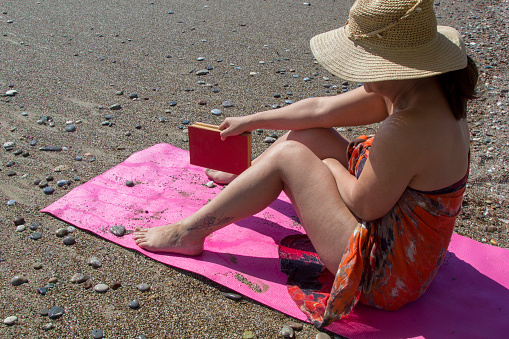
column 206, row 149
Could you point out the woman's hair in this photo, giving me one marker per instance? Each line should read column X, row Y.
column 459, row 87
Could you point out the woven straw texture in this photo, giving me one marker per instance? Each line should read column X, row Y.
column 390, row 40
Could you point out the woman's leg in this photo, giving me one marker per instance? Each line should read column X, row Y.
column 289, row 166
column 324, row 142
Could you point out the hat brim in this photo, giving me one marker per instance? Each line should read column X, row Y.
column 361, row 61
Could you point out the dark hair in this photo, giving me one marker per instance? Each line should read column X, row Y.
column 459, row 87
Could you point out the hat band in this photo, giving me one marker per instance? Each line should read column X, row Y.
column 414, row 9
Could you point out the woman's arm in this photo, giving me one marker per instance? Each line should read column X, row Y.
column 353, row 108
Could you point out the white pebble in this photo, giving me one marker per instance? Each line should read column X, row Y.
column 10, row 320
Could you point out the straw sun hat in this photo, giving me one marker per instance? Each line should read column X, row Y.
column 390, row 40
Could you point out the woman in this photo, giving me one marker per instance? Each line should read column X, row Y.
column 380, row 210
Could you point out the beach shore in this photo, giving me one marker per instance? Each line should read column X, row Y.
column 126, row 75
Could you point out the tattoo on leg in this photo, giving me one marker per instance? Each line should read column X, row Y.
column 211, row 221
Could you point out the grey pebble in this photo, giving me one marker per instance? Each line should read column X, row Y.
column 37, row 266
column 50, row 148
column 55, row 312
column 232, row 296
column 9, row 145
column 287, row 332
column 71, row 229
column 143, row 287
column 227, row 103
column 94, row 262
column 117, row 230
column 202, row 72
column 35, row 225
column 61, row 232
column 11, row 202
column 119, row 93
column 36, row 236
column 115, row 107
column 47, row 327
column 141, row 336
column 269, row 140
column 70, row 128
column 129, row 183
column 135, row 304
column 97, row 333
column 62, row 183
column 322, row 335
column 20, row 228
column 101, row 288
column 69, row 240
column 133, row 95
column 42, row 290
column 48, row 190
column 216, row 111
column 18, row 280
column 173, row 103
column 9, row 321
column 44, row 312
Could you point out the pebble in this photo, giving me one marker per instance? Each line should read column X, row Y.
column 69, row 240
column 141, row 336
column 37, row 266
column 173, row 103
column 19, row 221
column 44, row 312
column 53, row 280
column 322, row 335
column 133, row 95
column 216, row 111
column 35, row 225
column 50, row 148
column 143, row 287
column 101, row 288
column 296, row 326
column 115, row 107
column 129, row 183
column 20, row 228
column 248, row 335
column 97, row 333
column 33, row 142
column 232, row 296
column 210, row 184
column 11, row 92
column 11, row 202
column 118, row 230
column 55, row 312
column 269, row 140
column 71, row 229
column 202, row 72
column 9, row 321
column 10, row 163
column 286, row 332
column 61, row 232
column 47, row 327
column 94, row 262
column 227, row 103
column 70, row 128
column 9, row 145
column 135, row 304
column 115, row 286
column 62, row 183
column 42, row 290
column 18, row 280
column 36, row 236
column 79, row 278
column 48, row 190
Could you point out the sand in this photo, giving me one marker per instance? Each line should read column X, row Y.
column 69, row 61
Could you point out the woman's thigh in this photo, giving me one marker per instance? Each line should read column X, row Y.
column 323, row 142
column 313, row 191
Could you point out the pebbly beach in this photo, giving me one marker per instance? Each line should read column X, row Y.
column 85, row 85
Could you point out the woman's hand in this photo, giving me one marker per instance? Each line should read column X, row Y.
column 234, row 126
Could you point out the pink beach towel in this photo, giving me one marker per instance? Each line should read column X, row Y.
column 469, row 297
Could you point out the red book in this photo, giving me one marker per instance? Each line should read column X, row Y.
column 206, row 149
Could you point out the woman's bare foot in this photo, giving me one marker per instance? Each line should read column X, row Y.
column 221, row 178
column 168, row 238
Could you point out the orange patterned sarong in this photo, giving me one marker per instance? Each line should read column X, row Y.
column 389, row 261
